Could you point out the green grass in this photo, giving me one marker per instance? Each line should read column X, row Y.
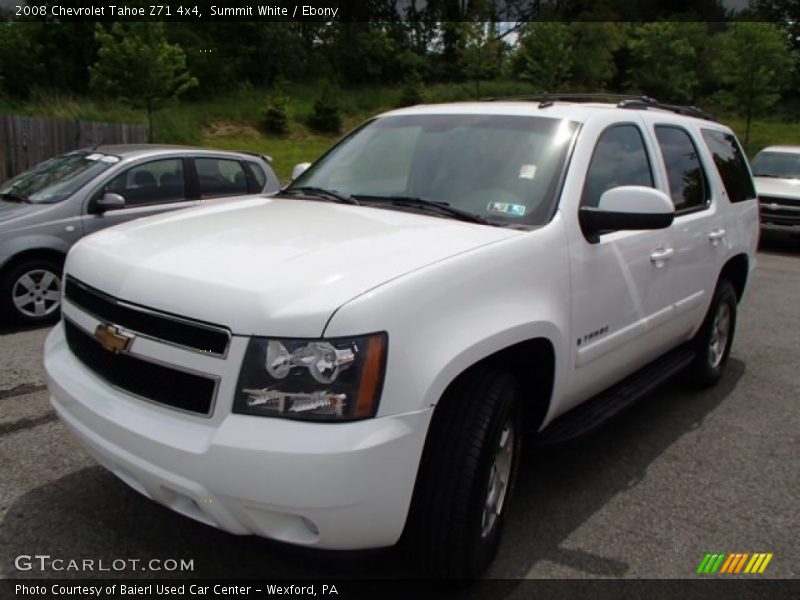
column 231, row 121
column 765, row 133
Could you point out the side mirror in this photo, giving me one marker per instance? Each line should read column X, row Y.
column 109, row 201
column 628, row 207
column 299, row 169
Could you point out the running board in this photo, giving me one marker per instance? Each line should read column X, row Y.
column 594, row 412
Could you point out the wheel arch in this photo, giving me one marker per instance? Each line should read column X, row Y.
column 736, row 270
column 533, row 363
column 33, row 254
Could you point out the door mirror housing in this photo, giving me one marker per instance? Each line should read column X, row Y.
column 628, row 207
column 299, row 169
column 109, row 201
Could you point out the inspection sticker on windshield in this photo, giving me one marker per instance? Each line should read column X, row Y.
column 512, row 210
column 527, row 171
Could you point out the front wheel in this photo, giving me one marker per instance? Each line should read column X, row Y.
column 466, row 476
column 714, row 339
column 30, row 292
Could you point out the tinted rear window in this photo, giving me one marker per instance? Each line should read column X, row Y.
column 731, row 164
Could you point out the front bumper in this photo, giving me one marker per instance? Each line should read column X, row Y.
column 337, row 486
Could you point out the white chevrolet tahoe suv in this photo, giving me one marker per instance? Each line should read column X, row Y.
column 354, row 361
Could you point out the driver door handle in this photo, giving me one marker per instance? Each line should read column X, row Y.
column 661, row 256
column 716, row 235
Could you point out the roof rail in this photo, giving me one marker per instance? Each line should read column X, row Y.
column 621, row 100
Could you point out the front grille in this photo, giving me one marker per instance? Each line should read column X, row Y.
column 205, row 337
column 780, row 201
column 142, row 378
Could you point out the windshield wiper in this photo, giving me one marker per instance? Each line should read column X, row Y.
column 442, row 208
column 14, row 197
column 310, row 190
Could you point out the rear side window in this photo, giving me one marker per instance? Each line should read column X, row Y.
column 220, row 177
column 731, row 164
column 258, row 175
column 688, row 185
column 619, row 159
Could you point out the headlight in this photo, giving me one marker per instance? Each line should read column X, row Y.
column 337, row 379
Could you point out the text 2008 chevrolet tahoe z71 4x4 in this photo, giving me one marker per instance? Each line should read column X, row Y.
column 356, row 358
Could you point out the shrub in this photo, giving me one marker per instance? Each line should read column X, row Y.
column 274, row 117
column 413, row 91
column 326, row 115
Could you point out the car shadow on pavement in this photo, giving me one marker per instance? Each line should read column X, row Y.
column 89, row 514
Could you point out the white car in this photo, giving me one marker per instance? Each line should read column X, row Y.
column 357, row 359
column 776, row 172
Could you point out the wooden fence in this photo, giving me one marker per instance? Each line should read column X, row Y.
column 27, row 141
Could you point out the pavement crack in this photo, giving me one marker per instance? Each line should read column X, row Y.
column 26, row 423
column 21, row 390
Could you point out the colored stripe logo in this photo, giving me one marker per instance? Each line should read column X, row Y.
column 735, row 563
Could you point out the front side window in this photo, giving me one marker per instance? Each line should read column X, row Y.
column 503, row 168
column 781, row 165
column 688, row 185
column 56, row 179
column 619, row 158
column 220, row 177
column 731, row 164
column 150, row 183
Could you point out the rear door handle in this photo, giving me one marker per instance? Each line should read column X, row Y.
column 716, row 235
column 661, row 256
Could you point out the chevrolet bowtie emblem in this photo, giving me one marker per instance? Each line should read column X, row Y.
column 112, row 339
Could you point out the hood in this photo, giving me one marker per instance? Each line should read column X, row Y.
column 267, row 266
column 780, row 188
column 11, row 213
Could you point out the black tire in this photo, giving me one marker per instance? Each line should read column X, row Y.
column 12, row 285
column 711, row 358
column 449, row 532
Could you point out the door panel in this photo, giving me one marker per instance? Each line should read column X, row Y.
column 622, row 303
column 149, row 188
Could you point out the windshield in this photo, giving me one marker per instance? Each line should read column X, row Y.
column 784, row 165
column 503, row 168
column 57, row 178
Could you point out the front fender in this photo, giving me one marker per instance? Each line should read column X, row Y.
column 444, row 318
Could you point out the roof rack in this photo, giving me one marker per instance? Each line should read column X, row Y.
column 621, row 100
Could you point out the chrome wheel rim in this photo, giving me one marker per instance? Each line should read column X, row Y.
column 37, row 293
column 720, row 332
column 499, row 477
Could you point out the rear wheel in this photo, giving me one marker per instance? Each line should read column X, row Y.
column 30, row 292
column 714, row 339
column 466, row 476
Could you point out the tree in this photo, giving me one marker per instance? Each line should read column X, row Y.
column 136, row 64
column 752, row 63
column 594, row 44
column 663, row 62
column 544, row 55
column 482, row 53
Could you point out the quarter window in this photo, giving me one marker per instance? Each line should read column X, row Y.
column 220, row 177
column 731, row 164
column 150, row 183
column 619, row 159
column 688, row 185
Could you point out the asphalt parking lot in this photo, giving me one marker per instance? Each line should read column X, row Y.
column 679, row 475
